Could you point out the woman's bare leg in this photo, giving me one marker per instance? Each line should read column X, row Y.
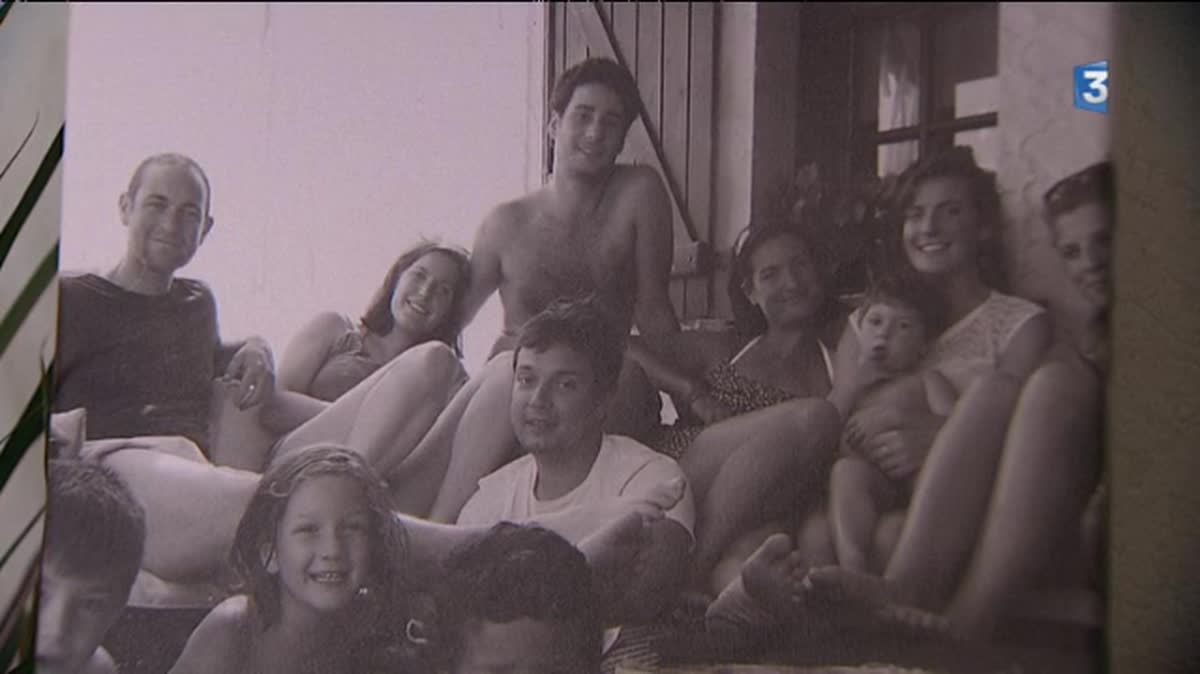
column 483, row 440
column 422, row 472
column 887, row 536
column 789, row 446
column 192, row 510
column 386, row 415
column 1047, row 475
column 957, row 478
column 815, row 540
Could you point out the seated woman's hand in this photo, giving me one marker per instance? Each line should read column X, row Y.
column 252, row 371
column 896, row 443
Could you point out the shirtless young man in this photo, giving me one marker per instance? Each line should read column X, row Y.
column 596, row 227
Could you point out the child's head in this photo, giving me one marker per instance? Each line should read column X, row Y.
column 92, row 550
column 520, row 599
column 897, row 318
column 318, row 533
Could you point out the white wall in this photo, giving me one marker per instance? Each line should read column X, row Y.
column 334, row 137
column 1044, row 137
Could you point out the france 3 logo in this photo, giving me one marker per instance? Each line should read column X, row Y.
column 1091, row 87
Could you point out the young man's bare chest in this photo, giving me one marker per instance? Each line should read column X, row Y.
column 548, row 257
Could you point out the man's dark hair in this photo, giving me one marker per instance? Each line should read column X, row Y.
column 585, row 327
column 597, row 71
column 171, row 159
column 95, row 528
column 520, row 571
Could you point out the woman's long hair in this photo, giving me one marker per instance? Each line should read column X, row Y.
column 378, row 316
column 956, row 162
column 254, row 542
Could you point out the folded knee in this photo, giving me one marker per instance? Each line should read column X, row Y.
column 436, row 357
column 817, row 418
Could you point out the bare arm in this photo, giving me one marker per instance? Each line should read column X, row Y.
column 655, row 243
column 431, row 543
column 1026, row 348
column 486, row 270
column 852, row 374
column 292, row 405
column 217, row 641
column 676, row 363
column 939, row 393
column 660, row 571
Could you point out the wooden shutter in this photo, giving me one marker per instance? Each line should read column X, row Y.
column 669, row 48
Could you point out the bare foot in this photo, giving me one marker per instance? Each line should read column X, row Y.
column 837, row 584
column 774, row 575
column 916, row 622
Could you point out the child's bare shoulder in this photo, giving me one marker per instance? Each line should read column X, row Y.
column 219, row 641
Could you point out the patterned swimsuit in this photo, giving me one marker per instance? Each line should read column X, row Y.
column 737, row 392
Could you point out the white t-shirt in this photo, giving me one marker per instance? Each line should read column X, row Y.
column 623, row 468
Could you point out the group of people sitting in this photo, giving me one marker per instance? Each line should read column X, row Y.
column 922, row 456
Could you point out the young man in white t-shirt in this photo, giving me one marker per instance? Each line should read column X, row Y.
column 566, row 362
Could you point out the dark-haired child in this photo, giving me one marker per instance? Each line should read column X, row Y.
column 893, row 326
column 95, row 533
column 520, row 599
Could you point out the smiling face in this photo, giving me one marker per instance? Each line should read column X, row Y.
column 590, row 132
column 165, row 217
column 784, row 282
column 556, row 403
column 322, row 546
column 74, row 613
column 942, row 231
column 892, row 335
column 1083, row 237
column 423, row 298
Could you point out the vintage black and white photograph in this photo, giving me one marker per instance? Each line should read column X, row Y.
column 581, row 337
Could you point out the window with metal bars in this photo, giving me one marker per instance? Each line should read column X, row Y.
column 924, row 78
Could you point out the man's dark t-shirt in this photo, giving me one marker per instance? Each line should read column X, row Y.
column 140, row 364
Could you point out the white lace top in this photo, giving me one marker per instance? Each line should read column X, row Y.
column 971, row 347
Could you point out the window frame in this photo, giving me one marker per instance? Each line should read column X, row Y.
column 926, row 15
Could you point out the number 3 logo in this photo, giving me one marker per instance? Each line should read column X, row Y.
column 1097, row 85
column 1092, row 86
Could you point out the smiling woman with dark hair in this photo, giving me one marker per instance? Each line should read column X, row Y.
column 358, row 384
column 786, row 315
